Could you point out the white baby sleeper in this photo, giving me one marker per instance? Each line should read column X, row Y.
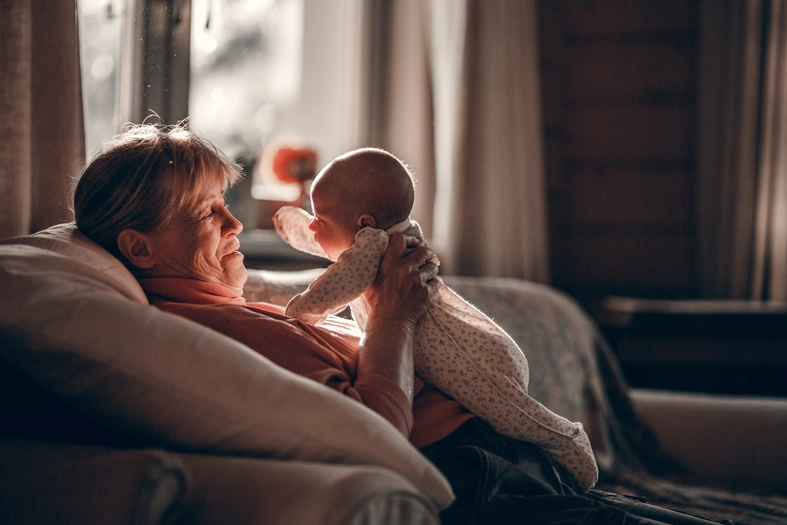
column 457, row 349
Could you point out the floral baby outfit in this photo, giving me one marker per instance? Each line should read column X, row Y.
column 457, row 348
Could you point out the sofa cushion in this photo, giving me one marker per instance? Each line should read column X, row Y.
column 73, row 323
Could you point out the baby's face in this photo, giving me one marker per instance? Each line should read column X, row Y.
column 332, row 228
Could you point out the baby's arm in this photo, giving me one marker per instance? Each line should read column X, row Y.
column 292, row 225
column 343, row 281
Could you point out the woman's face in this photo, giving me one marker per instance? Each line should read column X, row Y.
column 202, row 243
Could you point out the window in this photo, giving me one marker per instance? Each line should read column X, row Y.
column 259, row 70
column 245, row 70
column 100, row 37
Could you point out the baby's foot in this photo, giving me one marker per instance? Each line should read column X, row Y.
column 576, row 456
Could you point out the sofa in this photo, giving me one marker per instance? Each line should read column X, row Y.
column 116, row 412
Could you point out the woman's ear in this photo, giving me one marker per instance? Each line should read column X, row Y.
column 366, row 221
column 135, row 247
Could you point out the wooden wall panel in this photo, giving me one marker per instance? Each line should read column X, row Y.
column 599, row 17
column 619, row 89
column 629, row 68
column 652, row 265
column 624, row 199
column 630, row 132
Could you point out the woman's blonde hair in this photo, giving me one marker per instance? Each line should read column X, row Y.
column 143, row 178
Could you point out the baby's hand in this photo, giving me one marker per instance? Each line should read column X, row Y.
column 292, row 225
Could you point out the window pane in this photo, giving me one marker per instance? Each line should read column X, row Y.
column 100, row 34
column 245, row 70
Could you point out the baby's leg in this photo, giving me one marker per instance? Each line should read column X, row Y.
column 485, row 373
column 565, row 441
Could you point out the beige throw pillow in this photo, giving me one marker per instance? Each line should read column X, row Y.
column 74, row 320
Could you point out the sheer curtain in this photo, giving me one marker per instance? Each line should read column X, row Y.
column 742, row 191
column 463, row 106
column 41, row 130
column 770, row 244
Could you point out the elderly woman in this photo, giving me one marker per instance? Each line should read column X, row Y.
column 154, row 197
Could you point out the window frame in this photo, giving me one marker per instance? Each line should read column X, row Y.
column 155, row 60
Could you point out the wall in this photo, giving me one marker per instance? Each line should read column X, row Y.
column 620, row 101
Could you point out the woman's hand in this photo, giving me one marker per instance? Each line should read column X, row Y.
column 406, row 281
column 405, row 285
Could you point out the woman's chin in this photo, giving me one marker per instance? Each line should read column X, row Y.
column 235, row 273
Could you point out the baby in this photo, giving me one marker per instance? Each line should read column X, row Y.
column 360, row 199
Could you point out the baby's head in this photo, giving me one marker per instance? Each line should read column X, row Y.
column 367, row 187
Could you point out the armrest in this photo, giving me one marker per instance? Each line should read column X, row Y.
column 47, row 482
column 274, row 492
column 738, row 440
column 43, row 482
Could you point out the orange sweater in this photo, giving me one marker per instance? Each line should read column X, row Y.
column 310, row 351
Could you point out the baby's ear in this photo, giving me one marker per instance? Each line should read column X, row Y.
column 366, row 221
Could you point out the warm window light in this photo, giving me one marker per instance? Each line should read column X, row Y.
column 100, row 36
column 245, row 70
column 258, row 70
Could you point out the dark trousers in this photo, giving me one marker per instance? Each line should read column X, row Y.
column 499, row 480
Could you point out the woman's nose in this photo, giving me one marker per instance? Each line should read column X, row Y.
column 232, row 226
